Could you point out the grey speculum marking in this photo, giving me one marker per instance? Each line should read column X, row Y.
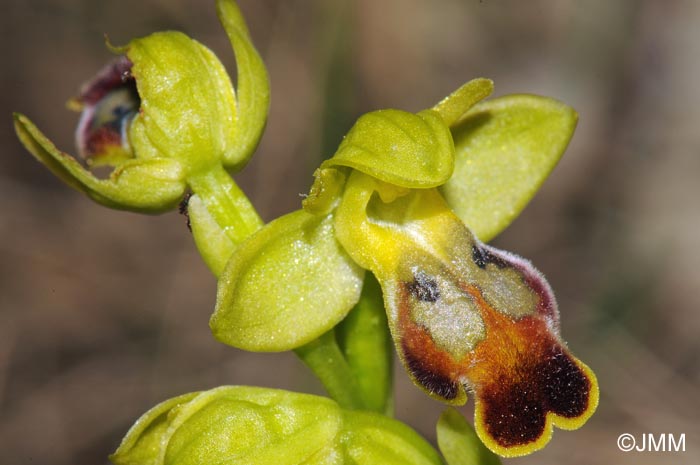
column 424, row 288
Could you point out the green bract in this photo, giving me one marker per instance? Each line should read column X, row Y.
column 286, row 285
column 258, row 426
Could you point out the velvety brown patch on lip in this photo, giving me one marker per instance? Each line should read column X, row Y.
column 520, row 373
column 515, row 410
column 566, row 387
column 428, row 376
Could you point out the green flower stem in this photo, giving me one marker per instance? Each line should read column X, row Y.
column 226, row 203
column 366, row 343
column 324, row 357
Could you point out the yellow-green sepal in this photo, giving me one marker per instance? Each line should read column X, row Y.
column 188, row 107
column 252, row 87
column 504, row 150
column 404, row 149
column 459, row 443
column 285, row 286
column 149, row 186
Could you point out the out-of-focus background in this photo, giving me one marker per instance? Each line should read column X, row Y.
column 104, row 313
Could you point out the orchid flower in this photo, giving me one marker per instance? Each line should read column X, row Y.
column 166, row 118
column 412, row 198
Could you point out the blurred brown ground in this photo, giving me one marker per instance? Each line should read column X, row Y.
column 104, row 313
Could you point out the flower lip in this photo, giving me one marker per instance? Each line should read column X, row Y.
column 466, row 316
column 524, row 379
column 108, row 103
